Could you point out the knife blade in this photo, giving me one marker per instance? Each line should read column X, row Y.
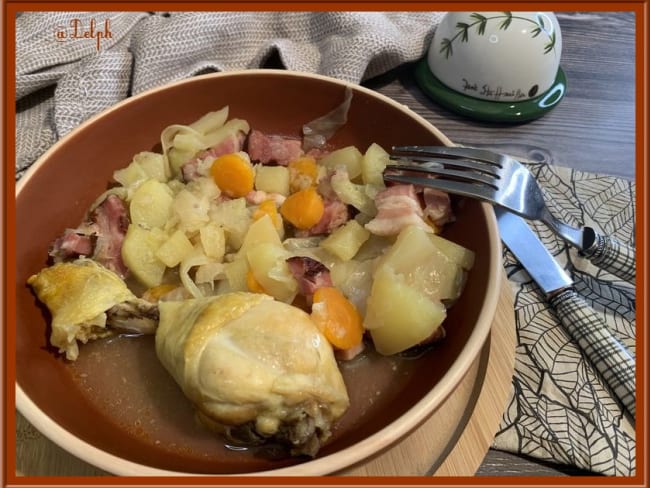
column 607, row 354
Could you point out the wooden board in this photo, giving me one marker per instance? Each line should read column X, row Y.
column 452, row 442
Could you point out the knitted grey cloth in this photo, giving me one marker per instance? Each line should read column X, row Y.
column 63, row 78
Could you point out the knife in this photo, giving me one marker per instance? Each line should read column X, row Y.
column 610, row 358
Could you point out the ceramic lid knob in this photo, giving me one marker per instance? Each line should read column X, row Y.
column 497, row 56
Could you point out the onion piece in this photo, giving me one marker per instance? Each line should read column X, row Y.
column 318, row 131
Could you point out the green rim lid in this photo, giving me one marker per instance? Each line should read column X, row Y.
column 486, row 110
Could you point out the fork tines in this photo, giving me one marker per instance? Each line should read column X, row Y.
column 455, row 152
column 451, row 169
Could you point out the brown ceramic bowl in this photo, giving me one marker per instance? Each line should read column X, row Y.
column 116, row 407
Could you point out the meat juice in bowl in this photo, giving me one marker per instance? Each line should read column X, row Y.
column 143, row 423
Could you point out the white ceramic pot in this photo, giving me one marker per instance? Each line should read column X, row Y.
column 497, row 56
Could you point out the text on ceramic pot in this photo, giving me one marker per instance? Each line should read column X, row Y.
column 495, row 93
column 78, row 30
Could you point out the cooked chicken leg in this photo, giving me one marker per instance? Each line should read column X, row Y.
column 255, row 368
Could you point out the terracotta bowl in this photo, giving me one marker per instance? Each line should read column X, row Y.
column 116, row 407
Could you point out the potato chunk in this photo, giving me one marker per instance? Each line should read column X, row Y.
column 460, row 255
column 423, row 265
column 348, row 156
column 272, row 179
column 346, row 241
column 139, row 254
column 399, row 316
column 373, row 164
column 151, row 204
column 176, row 248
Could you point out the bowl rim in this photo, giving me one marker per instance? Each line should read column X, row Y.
column 331, row 463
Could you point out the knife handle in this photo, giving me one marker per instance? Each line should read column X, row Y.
column 611, row 255
column 612, row 360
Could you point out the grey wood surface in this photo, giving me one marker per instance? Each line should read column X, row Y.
column 592, row 129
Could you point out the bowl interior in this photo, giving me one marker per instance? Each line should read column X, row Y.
column 118, row 386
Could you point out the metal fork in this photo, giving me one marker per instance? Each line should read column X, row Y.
column 502, row 180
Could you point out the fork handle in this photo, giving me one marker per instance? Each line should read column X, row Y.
column 611, row 255
column 610, row 358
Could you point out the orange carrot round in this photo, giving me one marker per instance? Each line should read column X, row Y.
column 233, row 174
column 337, row 318
column 304, row 208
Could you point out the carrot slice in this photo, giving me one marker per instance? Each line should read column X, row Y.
column 233, row 174
column 337, row 318
column 304, row 208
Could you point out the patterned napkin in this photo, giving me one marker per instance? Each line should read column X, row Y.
column 559, row 409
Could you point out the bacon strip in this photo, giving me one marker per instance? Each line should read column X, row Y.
column 267, row 149
column 100, row 237
column 335, row 215
column 112, row 220
column 71, row 245
column 397, row 207
column 437, row 206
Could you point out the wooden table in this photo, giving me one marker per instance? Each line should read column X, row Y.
column 592, row 129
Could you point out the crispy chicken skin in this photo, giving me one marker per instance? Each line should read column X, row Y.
column 255, row 368
column 88, row 301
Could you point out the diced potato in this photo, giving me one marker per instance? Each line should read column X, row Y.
column 268, row 263
column 139, row 254
column 151, row 204
column 236, row 274
column 272, row 179
column 154, row 165
column 234, row 216
column 346, row 241
column 213, row 240
column 348, row 156
column 373, row 165
column 460, row 255
column 399, row 316
column 353, row 194
column 176, row 248
column 191, row 210
column 423, row 265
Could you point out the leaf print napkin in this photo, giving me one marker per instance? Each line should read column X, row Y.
column 560, row 409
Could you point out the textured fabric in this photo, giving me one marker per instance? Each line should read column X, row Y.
column 560, row 409
column 63, row 79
